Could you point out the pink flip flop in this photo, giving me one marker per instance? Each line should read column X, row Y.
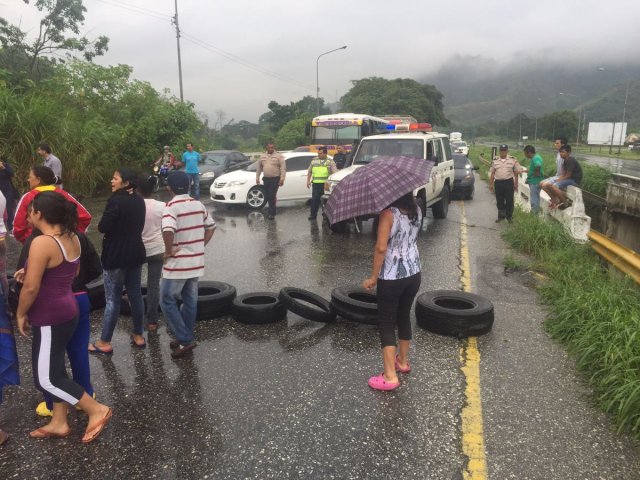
column 407, row 369
column 378, row 382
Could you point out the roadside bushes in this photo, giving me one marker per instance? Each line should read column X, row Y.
column 95, row 118
column 594, row 312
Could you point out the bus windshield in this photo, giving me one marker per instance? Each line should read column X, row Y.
column 344, row 129
column 340, row 135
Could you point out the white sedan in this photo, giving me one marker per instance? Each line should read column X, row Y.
column 240, row 186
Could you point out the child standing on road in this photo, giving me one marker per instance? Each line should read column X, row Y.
column 396, row 272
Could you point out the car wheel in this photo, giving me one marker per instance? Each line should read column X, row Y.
column 454, row 313
column 355, row 299
column 345, row 313
column 307, row 304
column 441, row 209
column 214, row 299
column 258, row 308
column 421, row 200
column 256, row 197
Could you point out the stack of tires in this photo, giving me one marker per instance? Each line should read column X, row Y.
column 214, row 300
column 355, row 304
column 454, row 313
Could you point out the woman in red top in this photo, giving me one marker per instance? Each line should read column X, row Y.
column 48, row 306
column 42, row 179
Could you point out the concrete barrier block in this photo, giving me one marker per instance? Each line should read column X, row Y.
column 573, row 218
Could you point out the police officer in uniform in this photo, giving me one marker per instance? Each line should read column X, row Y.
column 504, row 180
column 319, row 170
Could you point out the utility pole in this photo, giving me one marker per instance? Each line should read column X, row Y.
column 175, row 22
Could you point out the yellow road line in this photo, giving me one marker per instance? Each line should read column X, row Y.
column 471, row 416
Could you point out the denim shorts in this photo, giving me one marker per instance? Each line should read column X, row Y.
column 563, row 184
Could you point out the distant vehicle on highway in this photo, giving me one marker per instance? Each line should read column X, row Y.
column 460, row 147
column 216, row 162
column 464, row 183
column 240, row 187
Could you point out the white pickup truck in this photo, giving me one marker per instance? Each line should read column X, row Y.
column 436, row 192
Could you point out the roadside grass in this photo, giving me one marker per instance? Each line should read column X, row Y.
column 595, row 313
column 512, row 263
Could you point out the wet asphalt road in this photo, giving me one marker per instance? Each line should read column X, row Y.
column 290, row 400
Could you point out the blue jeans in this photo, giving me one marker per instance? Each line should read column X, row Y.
column 114, row 280
column 77, row 349
column 534, row 197
column 194, row 189
column 181, row 321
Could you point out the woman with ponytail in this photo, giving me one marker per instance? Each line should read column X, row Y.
column 396, row 273
column 123, row 255
column 48, row 306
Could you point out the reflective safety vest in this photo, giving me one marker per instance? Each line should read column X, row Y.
column 320, row 170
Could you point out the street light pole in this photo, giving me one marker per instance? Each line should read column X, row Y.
column 624, row 112
column 317, row 75
column 624, row 108
column 579, row 116
column 175, row 22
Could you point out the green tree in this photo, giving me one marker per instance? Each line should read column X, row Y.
column 292, row 134
column 59, row 31
column 282, row 114
column 401, row 96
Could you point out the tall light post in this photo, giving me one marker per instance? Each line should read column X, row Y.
column 624, row 108
column 579, row 115
column 317, row 75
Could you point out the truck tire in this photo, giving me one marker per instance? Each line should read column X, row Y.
column 307, row 304
column 441, row 209
column 345, row 313
column 355, row 299
column 214, row 299
column 454, row 313
column 258, row 308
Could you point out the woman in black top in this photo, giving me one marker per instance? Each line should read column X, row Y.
column 123, row 255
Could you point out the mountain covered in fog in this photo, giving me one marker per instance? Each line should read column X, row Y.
column 478, row 89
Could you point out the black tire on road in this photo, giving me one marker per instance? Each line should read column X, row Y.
column 307, row 304
column 256, row 197
column 258, row 308
column 454, row 313
column 441, row 208
column 214, row 299
column 357, row 317
column 355, row 299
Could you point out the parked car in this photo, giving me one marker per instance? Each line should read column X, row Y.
column 464, row 182
column 217, row 162
column 460, row 147
column 240, row 187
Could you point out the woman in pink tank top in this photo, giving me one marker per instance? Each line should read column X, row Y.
column 47, row 305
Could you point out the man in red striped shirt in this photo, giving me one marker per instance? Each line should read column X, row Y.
column 186, row 228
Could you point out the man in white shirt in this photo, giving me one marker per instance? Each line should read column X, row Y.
column 51, row 161
column 187, row 227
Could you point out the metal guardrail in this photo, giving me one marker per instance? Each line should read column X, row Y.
column 621, row 257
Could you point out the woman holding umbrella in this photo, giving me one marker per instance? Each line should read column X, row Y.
column 396, row 273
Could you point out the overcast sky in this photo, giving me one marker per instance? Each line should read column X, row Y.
column 387, row 38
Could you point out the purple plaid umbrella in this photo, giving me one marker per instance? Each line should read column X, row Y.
column 370, row 189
